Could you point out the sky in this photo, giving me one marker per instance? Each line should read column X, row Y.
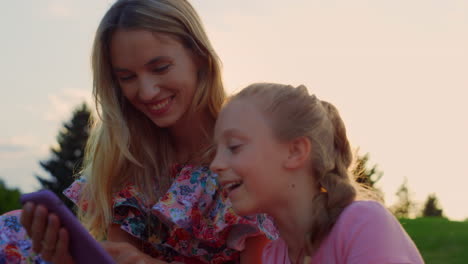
column 397, row 71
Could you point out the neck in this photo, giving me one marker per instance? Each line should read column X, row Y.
column 294, row 219
column 190, row 136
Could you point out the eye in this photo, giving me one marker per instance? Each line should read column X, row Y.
column 126, row 77
column 161, row 69
column 234, row 148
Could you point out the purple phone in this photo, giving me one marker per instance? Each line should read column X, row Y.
column 83, row 247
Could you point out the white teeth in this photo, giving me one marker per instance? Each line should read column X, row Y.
column 232, row 184
column 160, row 105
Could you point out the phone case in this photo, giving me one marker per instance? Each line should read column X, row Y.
column 83, row 247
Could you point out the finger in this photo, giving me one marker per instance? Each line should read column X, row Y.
column 38, row 227
column 130, row 256
column 62, row 253
column 27, row 216
column 121, row 252
column 113, row 248
column 49, row 242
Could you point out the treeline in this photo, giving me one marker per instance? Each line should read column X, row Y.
column 405, row 207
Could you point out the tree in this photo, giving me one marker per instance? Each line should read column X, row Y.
column 404, row 207
column 9, row 198
column 367, row 177
column 67, row 157
column 431, row 207
column 364, row 175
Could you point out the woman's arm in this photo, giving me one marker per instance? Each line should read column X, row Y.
column 253, row 249
column 51, row 241
column 126, row 253
column 124, row 248
column 116, row 234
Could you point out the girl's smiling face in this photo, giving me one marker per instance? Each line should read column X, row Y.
column 155, row 72
column 249, row 159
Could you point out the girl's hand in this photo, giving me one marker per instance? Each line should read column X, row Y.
column 125, row 253
column 48, row 238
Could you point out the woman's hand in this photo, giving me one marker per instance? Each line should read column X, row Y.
column 49, row 239
column 125, row 253
column 253, row 249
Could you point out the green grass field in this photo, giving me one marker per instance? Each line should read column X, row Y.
column 439, row 240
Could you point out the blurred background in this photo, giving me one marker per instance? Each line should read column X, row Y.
column 396, row 70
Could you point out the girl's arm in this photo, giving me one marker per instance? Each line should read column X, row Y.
column 253, row 249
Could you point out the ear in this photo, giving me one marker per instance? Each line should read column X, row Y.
column 298, row 153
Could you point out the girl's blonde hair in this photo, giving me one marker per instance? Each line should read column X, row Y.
column 124, row 145
column 293, row 113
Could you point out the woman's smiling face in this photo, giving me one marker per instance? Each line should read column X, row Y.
column 155, row 72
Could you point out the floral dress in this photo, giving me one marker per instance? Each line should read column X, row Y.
column 198, row 223
column 15, row 245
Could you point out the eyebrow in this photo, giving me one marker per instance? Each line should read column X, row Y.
column 152, row 61
column 234, row 132
column 226, row 133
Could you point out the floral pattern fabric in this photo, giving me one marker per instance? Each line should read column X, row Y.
column 195, row 220
column 15, row 245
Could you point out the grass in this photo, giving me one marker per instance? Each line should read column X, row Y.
column 439, row 240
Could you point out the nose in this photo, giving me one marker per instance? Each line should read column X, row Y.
column 148, row 88
column 218, row 165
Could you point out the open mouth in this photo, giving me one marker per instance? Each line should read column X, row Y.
column 162, row 106
column 232, row 186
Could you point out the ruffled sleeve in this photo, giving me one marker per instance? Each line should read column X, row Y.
column 130, row 209
column 201, row 220
column 131, row 212
column 73, row 192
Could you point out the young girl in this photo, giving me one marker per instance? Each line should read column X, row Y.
column 146, row 181
column 284, row 152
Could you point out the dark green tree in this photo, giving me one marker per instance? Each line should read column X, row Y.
column 67, row 157
column 9, row 198
column 431, row 207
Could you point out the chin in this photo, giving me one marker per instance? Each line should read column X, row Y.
column 164, row 123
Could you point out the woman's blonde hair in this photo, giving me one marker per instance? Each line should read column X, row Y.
column 293, row 113
column 124, row 145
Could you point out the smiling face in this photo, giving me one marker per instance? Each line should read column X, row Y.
column 155, row 72
column 249, row 159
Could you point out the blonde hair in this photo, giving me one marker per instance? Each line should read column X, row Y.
column 293, row 113
column 124, row 145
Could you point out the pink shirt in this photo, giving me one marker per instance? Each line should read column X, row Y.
column 365, row 233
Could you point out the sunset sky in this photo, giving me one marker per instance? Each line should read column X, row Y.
column 396, row 69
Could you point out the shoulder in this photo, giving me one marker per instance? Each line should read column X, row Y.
column 366, row 232
column 365, row 211
column 363, row 220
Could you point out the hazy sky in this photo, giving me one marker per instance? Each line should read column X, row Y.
column 396, row 69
